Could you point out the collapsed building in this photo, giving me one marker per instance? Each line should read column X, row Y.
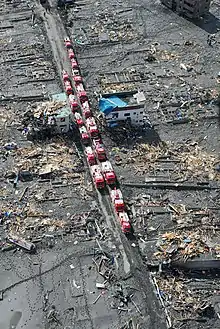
column 189, row 8
column 49, row 118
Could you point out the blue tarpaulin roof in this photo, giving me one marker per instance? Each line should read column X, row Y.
column 107, row 105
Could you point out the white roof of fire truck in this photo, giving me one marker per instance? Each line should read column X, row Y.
column 96, row 172
column 72, row 98
column 89, row 150
column 123, row 216
column 75, row 72
column 83, row 130
column 78, row 116
column 80, row 87
column 106, row 166
column 98, row 144
column 91, row 122
column 116, row 194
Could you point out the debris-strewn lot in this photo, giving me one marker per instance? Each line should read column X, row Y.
column 169, row 171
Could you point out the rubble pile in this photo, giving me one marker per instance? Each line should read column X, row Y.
column 192, row 218
column 185, row 245
column 54, row 157
column 187, row 161
column 188, row 298
column 33, row 221
column 109, row 28
column 46, row 109
column 113, row 88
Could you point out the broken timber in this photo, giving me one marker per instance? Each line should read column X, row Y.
column 172, row 186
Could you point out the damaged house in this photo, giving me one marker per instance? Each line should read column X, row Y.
column 123, row 107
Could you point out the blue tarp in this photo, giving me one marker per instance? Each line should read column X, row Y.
column 107, row 105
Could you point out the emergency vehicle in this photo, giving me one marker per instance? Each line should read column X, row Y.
column 77, row 79
column 92, row 127
column 97, row 176
column 74, row 64
column 117, row 200
column 73, row 103
column 71, row 54
column 81, row 93
column 108, row 172
column 65, row 76
column 124, row 221
column 78, row 119
column 84, row 135
column 68, row 87
column 99, row 149
column 86, row 110
column 68, row 43
column 90, row 155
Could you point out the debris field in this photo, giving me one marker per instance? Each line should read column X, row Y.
column 65, row 260
column 169, row 169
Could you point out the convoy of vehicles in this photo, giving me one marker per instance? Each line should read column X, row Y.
column 100, row 167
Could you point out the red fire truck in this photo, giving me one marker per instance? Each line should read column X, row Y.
column 108, row 172
column 124, row 221
column 68, row 87
column 74, row 64
column 71, row 54
column 65, row 76
column 81, row 93
column 117, row 200
column 73, row 103
column 68, row 43
column 99, row 149
column 97, row 176
column 90, row 155
column 86, row 110
column 78, row 119
column 92, row 127
column 84, row 135
column 77, row 79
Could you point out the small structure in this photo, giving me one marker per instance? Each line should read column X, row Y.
column 49, row 118
column 189, row 8
column 62, row 116
column 123, row 106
